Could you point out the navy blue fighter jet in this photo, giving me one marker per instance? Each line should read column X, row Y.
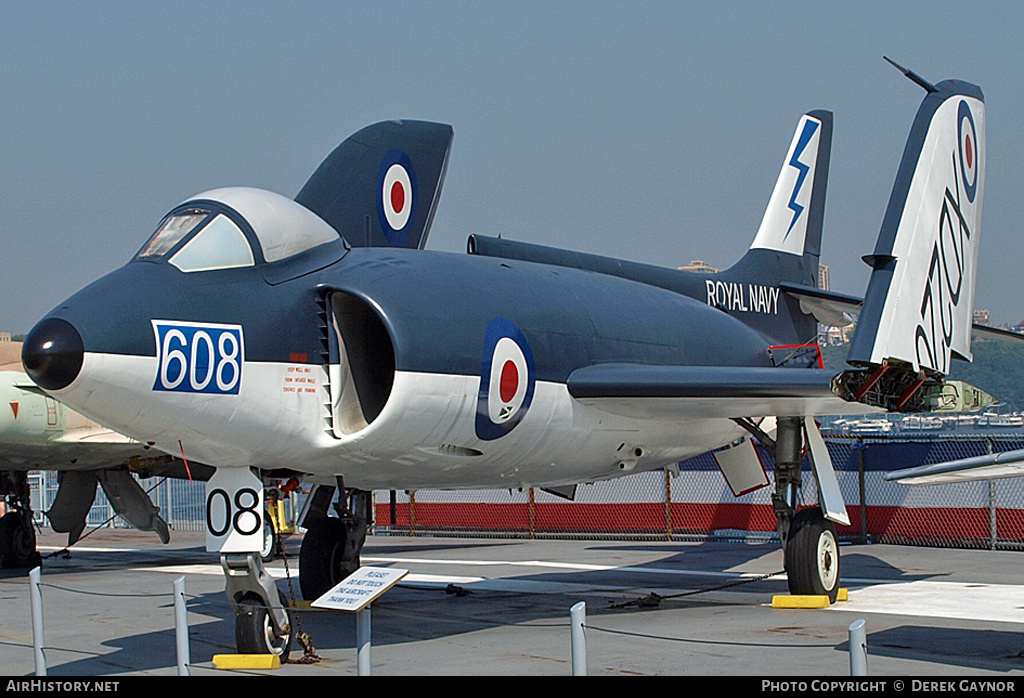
column 314, row 338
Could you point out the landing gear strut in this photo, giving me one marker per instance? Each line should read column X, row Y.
column 331, row 546
column 809, row 542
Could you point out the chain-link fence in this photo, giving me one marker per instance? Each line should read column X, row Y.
column 698, row 503
column 693, row 503
column 182, row 503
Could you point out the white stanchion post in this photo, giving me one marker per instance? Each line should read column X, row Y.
column 363, row 641
column 577, row 621
column 35, row 597
column 181, row 627
column 858, row 649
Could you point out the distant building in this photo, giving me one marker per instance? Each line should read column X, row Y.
column 699, row 266
column 981, row 317
column 10, row 353
column 831, row 336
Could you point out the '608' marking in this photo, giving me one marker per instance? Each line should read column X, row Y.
column 195, row 357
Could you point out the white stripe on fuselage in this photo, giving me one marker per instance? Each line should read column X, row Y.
column 423, row 438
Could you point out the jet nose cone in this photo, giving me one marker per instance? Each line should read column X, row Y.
column 52, row 354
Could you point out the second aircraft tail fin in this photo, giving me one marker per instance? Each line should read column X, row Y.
column 919, row 305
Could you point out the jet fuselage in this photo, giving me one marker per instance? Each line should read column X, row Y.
column 394, row 368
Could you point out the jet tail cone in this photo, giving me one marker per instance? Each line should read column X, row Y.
column 52, row 354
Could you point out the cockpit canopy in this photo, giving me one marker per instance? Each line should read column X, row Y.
column 235, row 227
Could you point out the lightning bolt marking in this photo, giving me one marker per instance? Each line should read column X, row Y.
column 805, row 136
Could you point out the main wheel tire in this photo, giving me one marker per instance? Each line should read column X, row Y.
column 17, row 542
column 254, row 631
column 812, row 556
column 321, row 558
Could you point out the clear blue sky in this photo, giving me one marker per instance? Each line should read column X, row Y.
column 650, row 131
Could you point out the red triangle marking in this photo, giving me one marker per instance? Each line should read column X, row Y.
column 14, row 408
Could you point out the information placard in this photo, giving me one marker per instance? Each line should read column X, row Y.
column 356, row 591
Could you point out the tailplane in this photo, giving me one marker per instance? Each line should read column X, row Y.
column 919, row 305
column 380, row 187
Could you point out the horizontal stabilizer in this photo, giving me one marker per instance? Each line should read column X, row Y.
column 840, row 309
column 987, row 467
column 828, row 307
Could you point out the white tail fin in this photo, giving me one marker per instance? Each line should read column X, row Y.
column 792, row 221
column 919, row 306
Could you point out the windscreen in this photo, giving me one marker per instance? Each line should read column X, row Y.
column 171, row 231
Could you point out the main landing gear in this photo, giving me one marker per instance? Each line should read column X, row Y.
column 809, row 543
column 812, row 555
column 17, row 533
column 331, row 546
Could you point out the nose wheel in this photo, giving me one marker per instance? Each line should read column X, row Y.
column 255, row 632
column 812, row 555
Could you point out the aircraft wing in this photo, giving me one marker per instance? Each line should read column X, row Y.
column 685, row 392
column 987, row 467
column 78, row 449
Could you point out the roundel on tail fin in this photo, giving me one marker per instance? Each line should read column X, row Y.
column 396, row 196
column 969, row 153
column 507, row 379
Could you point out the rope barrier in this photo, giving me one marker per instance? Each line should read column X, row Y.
column 98, row 593
column 653, row 600
column 700, row 642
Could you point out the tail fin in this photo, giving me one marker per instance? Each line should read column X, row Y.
column 787, row 246
column 380, row 187
column 785, row 250
column 919, row 306
column 793, row 220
